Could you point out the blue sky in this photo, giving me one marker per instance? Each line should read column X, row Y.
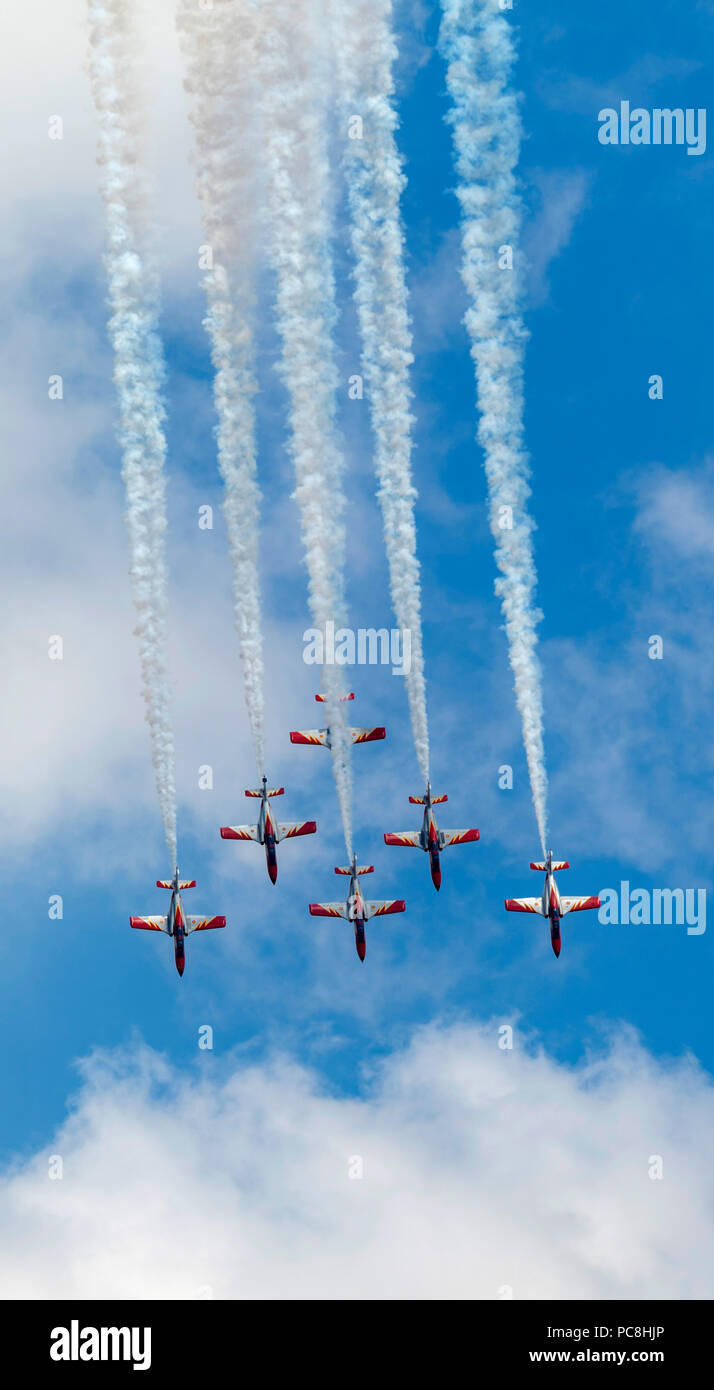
column 620, row 287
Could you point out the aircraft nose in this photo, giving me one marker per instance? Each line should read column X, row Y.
column 361, row 948
column 556, row 942
column 180, row 965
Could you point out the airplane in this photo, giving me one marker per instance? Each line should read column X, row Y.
column 322, row 736
column 430, row 837
column 177, row 924
column 355, row 909
column 551, row 904
column 268, row 832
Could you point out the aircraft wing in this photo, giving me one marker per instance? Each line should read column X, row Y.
column 524, row 905
column 382, row 909
column 315, row 736
column 204, row 923
column 239, row 832
column 149, row 923
column 367, row 735
column 402, row 837
column 458, row 837
column 328, row 909
column 298, row 827
column 578, row 904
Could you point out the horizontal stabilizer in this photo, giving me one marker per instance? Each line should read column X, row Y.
column 149, row 923
column 204, row 923
column 367, row 735
column 328, row 910
column 294, row 828
column 579, row 904
column 239, row 832
column 321, row 699
column 183, row 883
column 383, row 909
column 524, row 905
column 435, row 800
column 361, row 869
column 557, row 864
column 402, row 837
column 271, row 791
column 459, row 837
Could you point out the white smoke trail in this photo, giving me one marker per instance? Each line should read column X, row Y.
column 218, row 45
column 365, row 52
column 138, row 373
column 294, row 78
column 478, row 47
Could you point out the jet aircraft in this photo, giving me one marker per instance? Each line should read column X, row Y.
column 551, row 904
column 268, row 832
column 176, row 923
column 356, row 909
column 322, row 736
column 430, row 838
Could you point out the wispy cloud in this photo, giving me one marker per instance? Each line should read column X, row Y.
column 563, row 196
column 585, row 95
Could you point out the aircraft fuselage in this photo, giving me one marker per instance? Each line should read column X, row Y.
column 552, row 909
column 357, row 914
column 267, row 837
column 430, row 841
column 176, row 925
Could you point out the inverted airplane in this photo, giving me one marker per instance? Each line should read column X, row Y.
column 551, row 904
column 176, row 923
column 356, row 909
column 322, row 736
column 268, row 832
column 430, row 837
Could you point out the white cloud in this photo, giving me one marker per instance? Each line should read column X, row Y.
column 482, row 1168
column 676, row 511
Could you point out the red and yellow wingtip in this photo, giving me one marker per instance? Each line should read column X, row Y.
column 210, row 923
column 465, row 837
column 367, row 735
column 308, row 827
column 398, row 905
column 296, row 736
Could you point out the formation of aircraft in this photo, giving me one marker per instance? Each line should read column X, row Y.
column 551, row 904
column 356, row 909
column 268, row 832
column 176, row 923
column 430, row 838
column 321, row 737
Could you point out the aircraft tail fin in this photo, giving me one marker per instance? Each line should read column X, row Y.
column 557, row 864
column 421, row 800
column 183, row 883
column 271, row 791
column 361, row 869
